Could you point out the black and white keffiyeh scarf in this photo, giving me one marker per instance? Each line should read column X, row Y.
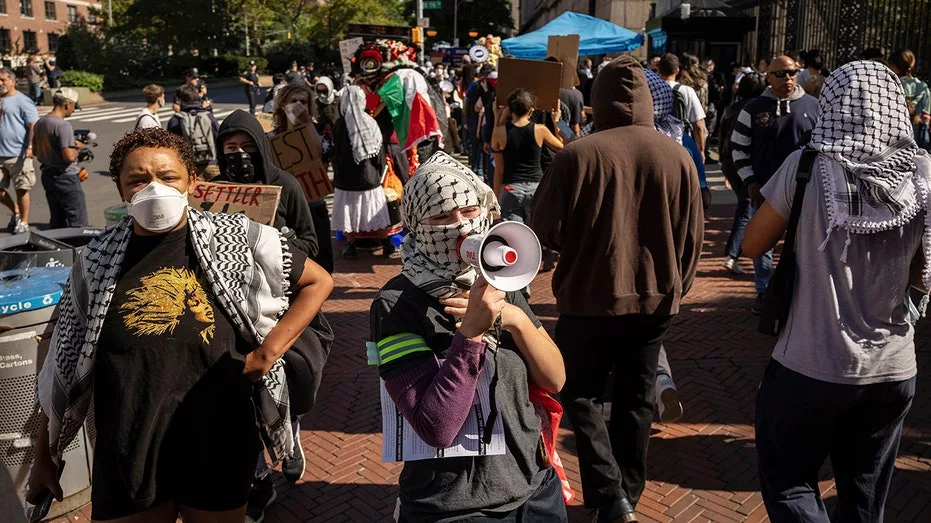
column 875, row 177
column 246, row 266
column 364, row 134
column 663, row 103
column 429, row 252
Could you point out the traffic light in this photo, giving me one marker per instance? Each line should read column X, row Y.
column 417, row 35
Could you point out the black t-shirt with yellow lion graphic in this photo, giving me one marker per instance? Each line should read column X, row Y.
column 170, row 397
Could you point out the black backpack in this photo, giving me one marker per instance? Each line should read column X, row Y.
column 679, row 107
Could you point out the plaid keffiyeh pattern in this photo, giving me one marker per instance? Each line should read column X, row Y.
column 364, row 134
column 247, row 267
column 874, row 175
column 429, row 252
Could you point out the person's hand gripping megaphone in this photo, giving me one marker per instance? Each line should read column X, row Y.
column 477, row 308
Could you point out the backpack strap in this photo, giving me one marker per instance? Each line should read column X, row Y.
column 143, row 115
column 805, row 164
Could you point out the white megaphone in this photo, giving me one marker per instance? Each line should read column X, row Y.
column 508, row 256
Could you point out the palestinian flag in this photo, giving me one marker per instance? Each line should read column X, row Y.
column 407, row 99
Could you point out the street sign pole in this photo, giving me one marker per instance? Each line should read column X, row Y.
column 456, row 24
column 419, row 17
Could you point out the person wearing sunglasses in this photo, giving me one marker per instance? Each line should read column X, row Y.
column 769, row 128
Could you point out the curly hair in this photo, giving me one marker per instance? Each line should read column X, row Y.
column 155, row 138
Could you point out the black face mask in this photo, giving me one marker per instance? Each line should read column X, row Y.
column 240, row 169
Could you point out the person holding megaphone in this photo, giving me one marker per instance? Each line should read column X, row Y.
column 439, row 327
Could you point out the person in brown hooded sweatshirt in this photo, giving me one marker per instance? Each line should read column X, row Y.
column 623, row 207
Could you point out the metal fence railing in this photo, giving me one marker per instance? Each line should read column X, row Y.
column 842, row 29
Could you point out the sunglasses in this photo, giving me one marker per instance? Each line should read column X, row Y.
column 783, row 74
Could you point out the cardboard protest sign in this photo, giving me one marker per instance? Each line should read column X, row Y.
column 267, row 120
column 259, row 202
column 300, row 152
column 347, row 48
column 566, row 50
column 541, row 77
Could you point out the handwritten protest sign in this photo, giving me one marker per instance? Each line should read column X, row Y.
column 566, row 50
column 267, row 120
column 538, row 76
column 258, row 202
column 300, row 153
column 347, row 48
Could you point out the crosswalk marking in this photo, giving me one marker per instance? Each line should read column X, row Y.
column 122, row 114
column 163, row 113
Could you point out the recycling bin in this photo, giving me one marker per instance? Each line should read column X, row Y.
column 27, row 304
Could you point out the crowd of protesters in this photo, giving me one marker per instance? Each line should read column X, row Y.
column 612, row 182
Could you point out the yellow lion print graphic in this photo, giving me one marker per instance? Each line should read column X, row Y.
column 161, row 301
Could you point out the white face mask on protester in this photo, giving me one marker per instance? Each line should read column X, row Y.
column 157, row 208
column 297, row 113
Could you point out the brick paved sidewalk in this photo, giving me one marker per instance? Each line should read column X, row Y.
column 700, row 469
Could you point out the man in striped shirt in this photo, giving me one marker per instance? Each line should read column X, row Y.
column 768, row 130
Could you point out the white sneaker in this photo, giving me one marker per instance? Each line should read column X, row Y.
column 732, row 266
column 668, row 405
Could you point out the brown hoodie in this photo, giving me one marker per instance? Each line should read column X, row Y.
column 623, row 208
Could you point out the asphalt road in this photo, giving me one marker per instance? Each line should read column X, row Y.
column 110, row 121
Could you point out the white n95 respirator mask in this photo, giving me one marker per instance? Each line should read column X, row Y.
column 157, row 208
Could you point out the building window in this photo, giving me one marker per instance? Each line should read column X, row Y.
column 50, row 10
column 91, row 17
column 3, row 7
column 25, row 8
column 52, row 43
column 72, row 14
column 29, row 42
column 5, row 44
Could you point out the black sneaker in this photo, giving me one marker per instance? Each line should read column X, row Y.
column 15, row 221
column 260, row 498
column 293, row 468
column 757, row 308
column 389, row 250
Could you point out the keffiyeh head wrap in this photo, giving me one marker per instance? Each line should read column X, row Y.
column 429, row 252
column 663, row 102
column 875, row 177
column 364, row 134
column 331, row 89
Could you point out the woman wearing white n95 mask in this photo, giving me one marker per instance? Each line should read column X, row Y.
column 172, row 318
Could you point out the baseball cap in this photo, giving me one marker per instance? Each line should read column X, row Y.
column 193, row 73
column 69, row 94
column 252, row 62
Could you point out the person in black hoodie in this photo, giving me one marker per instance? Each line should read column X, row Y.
column 245, row 156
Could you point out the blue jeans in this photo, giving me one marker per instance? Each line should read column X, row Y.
column 476, row 162
column 741, row 219
column 762, row 266
column 800, row 421
column 35, row 92
column 66, row 204
column 515, row 199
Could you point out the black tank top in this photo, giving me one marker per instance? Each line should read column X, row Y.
column 521, row 155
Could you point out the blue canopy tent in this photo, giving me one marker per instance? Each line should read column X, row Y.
column 598, row 37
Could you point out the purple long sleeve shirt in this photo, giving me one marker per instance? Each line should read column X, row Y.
column 436, row 399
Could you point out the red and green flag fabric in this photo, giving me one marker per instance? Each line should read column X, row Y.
column 407, row 99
